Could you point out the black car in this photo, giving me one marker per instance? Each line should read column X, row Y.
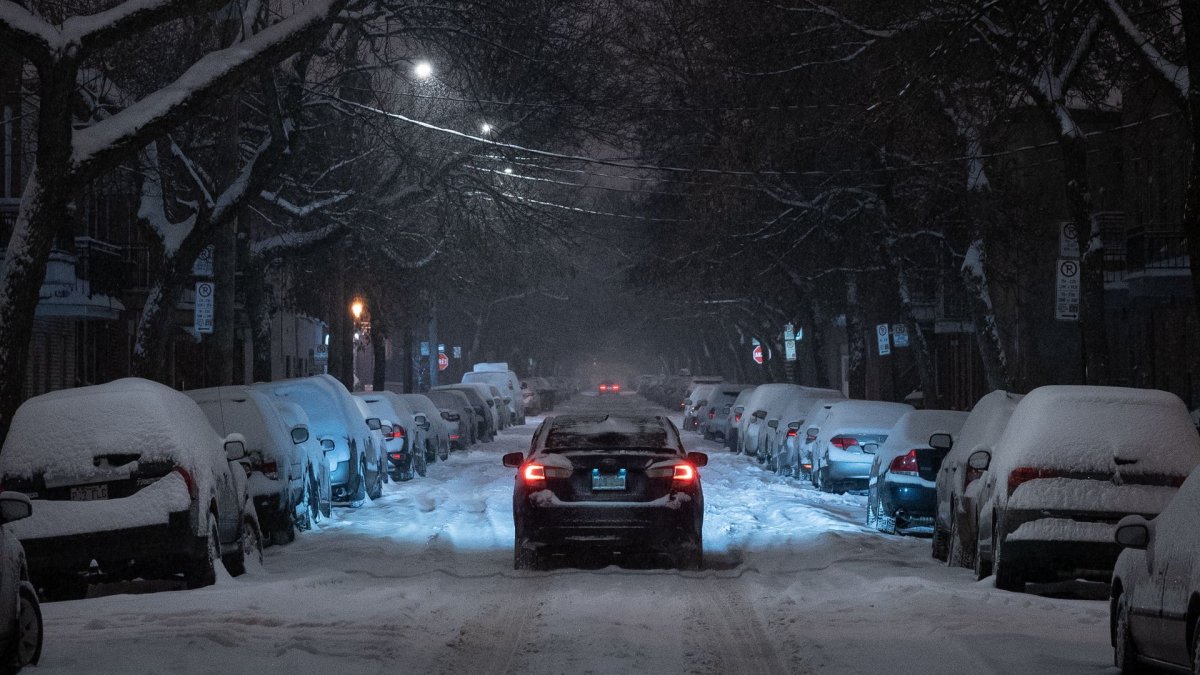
column 605, row 481
column 607, row 387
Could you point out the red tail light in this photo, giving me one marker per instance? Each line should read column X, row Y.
column 809, row 438
column 398, row 456
column 188, row 481
column 270, row 470
column 537, row 473
column 792, row 433
column 397, row 432
column 843, row 442
column 455, row 437
column 685, row 474
column 712, row 414
column 905, row 465
column 1024, row 474
column 616, row 387
column 604, row 387
column 737, row 417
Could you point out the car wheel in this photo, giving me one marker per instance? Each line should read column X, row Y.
column 983, row 568
column 525, row 556
column 690, row 557
column 314, row 502
column 957, row 555
column 444, row 452
column 377, row 486
column 821, row 479
column 360, row 488
column 302, row 514
column 203, row 571
column 420, row 464
column 1125, row 656
column 938, row 545
column 250, row 550
column 884, row 522
column 1008, row 574
column 286, row 532
column 871, row 508
column 25, row 649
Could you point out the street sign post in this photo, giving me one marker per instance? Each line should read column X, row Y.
column 883, row 335
column 202, row 313
column 1066, row 296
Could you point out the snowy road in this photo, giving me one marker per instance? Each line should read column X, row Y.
column 421, row 581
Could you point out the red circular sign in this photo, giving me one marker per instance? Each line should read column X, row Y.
column 758, row 355
column 443, row 361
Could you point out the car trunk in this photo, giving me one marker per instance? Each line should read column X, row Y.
column 929, row 461
column 613, row 476
column 111, row 476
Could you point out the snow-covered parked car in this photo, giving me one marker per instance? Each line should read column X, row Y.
column 404, row 441
column 838, row 460
column 1155, row 598
column 20, row 613
column 318, row 491
column 795, row 455
column 132, row 477
column 784, row 416
column 902, row 492
column 357, row 467
column 507, row 382
column 276, row 466
column 1071, row 463
column 429, row 419
column 956, row 519
column 458, row 414
column 715, row 415
column 693, row 405
column 480, row 397
column 733, row 421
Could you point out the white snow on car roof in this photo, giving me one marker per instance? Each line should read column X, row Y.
column 1089, row 428
column 984, row 425
column 863, row 414
column 62, row 432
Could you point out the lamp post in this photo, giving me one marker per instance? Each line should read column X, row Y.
column 423, row 70
column 362, row 331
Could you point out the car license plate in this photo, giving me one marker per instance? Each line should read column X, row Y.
column 608, row 481
column 87, row 493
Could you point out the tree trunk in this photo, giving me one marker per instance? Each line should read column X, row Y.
column 920, row 343
column 379, row 347
column 856, row 342
column 987, row 333
column 45, row 212
column 260, row 311
column 1191, row 205
column 224, row 301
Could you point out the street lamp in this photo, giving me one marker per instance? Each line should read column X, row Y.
column 485, row 128
column 423, row 70
column 362, row 331
column 356, row 308
column 508, row 170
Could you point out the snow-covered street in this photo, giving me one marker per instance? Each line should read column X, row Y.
column 421, row 581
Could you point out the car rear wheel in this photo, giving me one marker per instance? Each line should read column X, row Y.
column 1125, row 656
column 285, row 533
column 420, row 464
column 250, row 550
column 314, row 502
column 1008, row 575
column 983, row 568
column 958, row 555
column 821, row 479
column 939, row 544
column 884, row 522
column 203, row 571
column 525, row 555
column 26, row 646
column 444, row 452
column 360, row 487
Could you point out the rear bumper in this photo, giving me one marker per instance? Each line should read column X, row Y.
column 1046, row 545
column 851, row 471
column 172, row 544
column 910, row 502
column 652, row 527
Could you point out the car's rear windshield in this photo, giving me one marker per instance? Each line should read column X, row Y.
column 608, row 432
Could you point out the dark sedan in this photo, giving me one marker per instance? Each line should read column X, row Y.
column 603, row 481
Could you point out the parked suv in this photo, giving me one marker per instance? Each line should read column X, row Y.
column 1072, row 462
column 132, row 477
column 276, row 464
column 20, row 613
column 357, row 466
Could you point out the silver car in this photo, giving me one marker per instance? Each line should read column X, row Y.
column 839, row 461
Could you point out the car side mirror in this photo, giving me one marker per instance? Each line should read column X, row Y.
column 327, row 445
column 386, row 429
column 235, row 448
column 698, row 459
column 299, row 435
column 14, row 506
column 759, row 414
column 774, row 424
column 1133, row 532
column 870, row 448
column 421, row 421
column 374, row 423
column 980, row 460
column 513, row 460
column 941, row 441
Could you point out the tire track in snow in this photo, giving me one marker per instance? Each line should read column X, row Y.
column 748, row 646
column 491, row 641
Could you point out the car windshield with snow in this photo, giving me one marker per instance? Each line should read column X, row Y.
column 609, row 483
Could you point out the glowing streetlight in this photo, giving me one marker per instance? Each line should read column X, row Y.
column 508, row 170
column 485, row 128
column 423, row 70
column 356, row 308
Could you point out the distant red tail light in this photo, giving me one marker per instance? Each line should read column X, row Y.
column 616, row 387
column 792, row 433
column 534, row 473
column 397, row 432
column 1024, row 474
column 712, row 414
column 397, row 456
column 843, row 442
column 905, row 465
column 737, row 417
